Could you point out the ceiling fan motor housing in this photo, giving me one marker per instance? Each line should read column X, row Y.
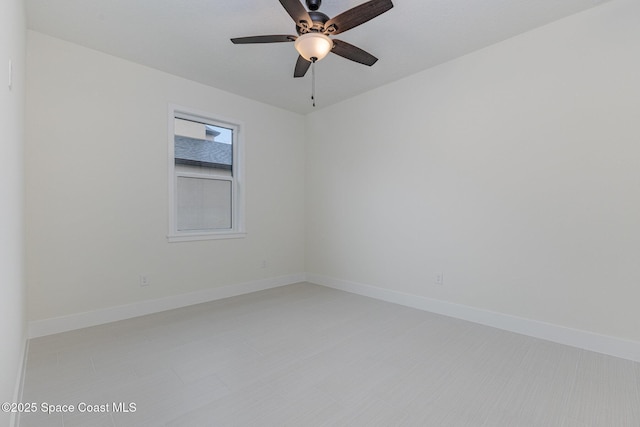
column 318, row 18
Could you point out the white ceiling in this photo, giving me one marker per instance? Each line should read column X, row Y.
column 190, row 38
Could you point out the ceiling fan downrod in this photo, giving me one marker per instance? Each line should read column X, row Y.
column 314, row 4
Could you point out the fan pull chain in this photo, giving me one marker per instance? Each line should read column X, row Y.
column 313, row 81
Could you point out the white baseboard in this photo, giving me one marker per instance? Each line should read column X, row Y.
column 612, row 346
column 591, row 341
column 39, row 328
column 17, row 392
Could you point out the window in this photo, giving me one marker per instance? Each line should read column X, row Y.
column 205, row 170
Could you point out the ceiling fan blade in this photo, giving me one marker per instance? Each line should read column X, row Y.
column 302, row 65
column 264, row 39
column 356, row 16
column 353, row 53
column 297, row 11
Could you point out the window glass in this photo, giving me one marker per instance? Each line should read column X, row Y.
column 205, row 187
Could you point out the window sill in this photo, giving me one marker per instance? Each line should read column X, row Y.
column 186, row 237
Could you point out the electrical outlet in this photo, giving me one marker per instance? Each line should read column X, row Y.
column 439, row 279
column 144, row 280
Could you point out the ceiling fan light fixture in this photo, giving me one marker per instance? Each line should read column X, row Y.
column 313, row 45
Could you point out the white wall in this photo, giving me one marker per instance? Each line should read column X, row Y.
column 514, row 170
column 12, row 305
column 96, row 177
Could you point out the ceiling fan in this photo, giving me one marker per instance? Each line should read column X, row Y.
column 314, row 28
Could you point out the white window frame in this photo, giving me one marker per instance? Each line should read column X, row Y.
column 237, row 229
